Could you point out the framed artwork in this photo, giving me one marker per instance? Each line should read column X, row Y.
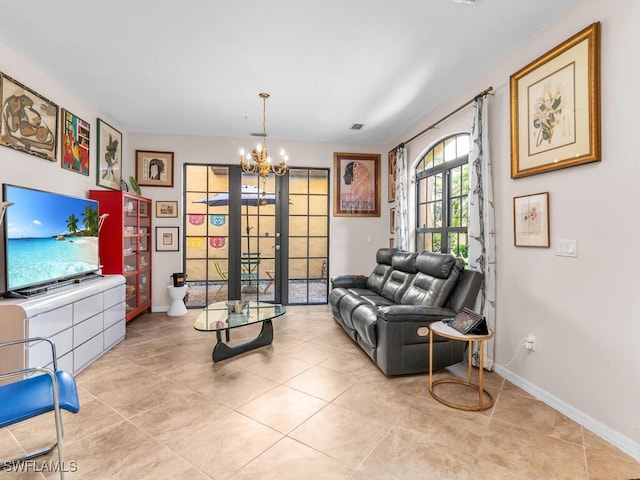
column 109, row 156
column 357, row 185
column 166, row 209
column 531, row 220
column 154, row 169
column 29, row 121
column 391, row 243
column 392, row 176
column 555, row 107
column 167, row 239
column 392, row 220
column 75, row 143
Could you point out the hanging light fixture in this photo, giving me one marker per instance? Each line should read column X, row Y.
column 258, row 161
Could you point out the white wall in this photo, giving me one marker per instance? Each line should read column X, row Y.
column 583, row 311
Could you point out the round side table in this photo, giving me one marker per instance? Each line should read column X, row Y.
column 444, row 330
column 177, row 306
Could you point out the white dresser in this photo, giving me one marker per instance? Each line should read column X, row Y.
column 84, row 320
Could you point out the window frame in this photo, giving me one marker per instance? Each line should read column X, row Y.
column 443, row 169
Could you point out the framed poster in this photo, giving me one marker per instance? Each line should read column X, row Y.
column 109, row 156
column 555, row 107
column 357, row 185
column 154, row 169
column 392, row 176
column 29, row 121
column 167, row 239
column 166, row 209
column 531, row 220
column 75, row 143
column 392, row 220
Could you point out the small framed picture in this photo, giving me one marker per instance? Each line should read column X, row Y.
column 167, row 239
column 166, row 209
column 154, row 169
column 75, row 143
column 531, row 220
column 392, row 221
column 357, row 185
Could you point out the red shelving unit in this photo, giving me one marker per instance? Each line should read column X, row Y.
column 125, row 244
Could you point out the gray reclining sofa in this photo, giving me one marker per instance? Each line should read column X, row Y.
column 388, row 312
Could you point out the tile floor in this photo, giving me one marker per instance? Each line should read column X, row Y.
column 310, row 406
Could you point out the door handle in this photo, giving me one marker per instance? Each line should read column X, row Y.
column 277, row 247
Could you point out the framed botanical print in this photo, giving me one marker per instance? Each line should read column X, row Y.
column 75, row 143
column 357, row 185
column 29, row 121
column 109, row 156
column 555, row 107
column 531, row 220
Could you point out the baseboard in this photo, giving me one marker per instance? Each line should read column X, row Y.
column 160, row 309
column 598, row 428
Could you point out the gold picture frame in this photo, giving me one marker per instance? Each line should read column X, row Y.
column 555, row 107
column 166, row 209
column 391, row 174
column 357, row 185
column 531, row 220
column 154, row 169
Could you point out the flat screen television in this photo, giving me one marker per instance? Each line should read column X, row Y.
column 49, row 238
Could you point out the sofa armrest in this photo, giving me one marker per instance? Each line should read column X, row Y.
column 414, row 313
column 349, row 281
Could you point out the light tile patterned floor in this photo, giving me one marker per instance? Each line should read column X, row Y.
column 310, row 406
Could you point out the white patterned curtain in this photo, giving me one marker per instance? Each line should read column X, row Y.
column 402, row 230
column 482, row 235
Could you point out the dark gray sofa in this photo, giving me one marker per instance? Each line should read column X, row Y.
column 388, row 312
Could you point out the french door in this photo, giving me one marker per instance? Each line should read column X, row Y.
column 246, row 238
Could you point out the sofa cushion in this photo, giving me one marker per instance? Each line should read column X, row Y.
column 364, row 321
column 382, row 270
column 437, row 265
column 431, row 290
column 348, row 304
column 400, row 277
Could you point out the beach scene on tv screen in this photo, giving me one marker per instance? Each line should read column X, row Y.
column 49, row 237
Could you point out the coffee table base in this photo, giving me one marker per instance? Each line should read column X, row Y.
column 222, row 351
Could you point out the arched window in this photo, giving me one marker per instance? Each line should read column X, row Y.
column 442, row 187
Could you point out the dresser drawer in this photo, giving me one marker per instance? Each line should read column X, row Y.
column 48, row 324
column 114, row 296
column 87, row 353
column 87, row 307
column 114, row 334
column 114, row 314
column 87, row 329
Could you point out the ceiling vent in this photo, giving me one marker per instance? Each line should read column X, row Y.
column 254, row 134
column 465, row 2
column 357, row 126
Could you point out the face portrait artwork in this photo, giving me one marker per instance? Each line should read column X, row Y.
column 155, row 169
column 359, row 186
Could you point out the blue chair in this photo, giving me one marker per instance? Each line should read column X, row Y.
column 37, row 390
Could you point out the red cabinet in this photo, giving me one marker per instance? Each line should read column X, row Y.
column 125, row 244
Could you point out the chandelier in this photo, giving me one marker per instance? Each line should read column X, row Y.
column 258, row 161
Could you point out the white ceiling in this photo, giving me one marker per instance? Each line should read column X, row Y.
column 196, row 66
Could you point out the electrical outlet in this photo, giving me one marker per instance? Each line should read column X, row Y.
column 530, row 342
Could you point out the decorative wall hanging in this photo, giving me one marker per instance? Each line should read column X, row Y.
column 392, row 176
column 75, row 143
column 166, row 209
column 109, row 156
column 555, row 107
column 531, row 220
column 357, row 185
column 154, row 169
column 29, row 121
column 167, row 239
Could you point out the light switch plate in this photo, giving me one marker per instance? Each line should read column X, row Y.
column 567, row 248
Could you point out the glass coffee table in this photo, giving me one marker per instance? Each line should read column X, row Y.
column 216, row 318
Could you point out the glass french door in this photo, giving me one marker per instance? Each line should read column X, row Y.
column 255, row 240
